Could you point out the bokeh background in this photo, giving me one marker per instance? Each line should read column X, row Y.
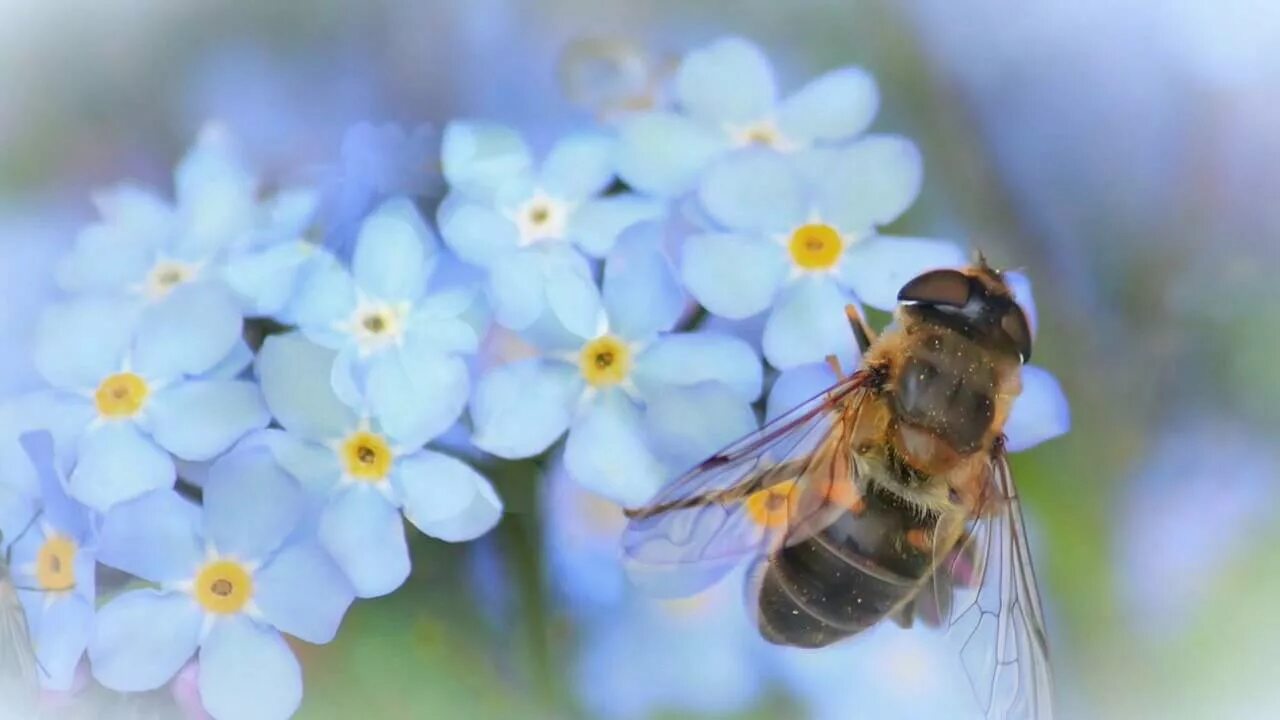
column 1125, row 153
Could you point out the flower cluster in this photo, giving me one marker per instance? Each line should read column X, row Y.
column 249, row 393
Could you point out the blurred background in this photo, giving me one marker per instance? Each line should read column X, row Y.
column 1125, row 153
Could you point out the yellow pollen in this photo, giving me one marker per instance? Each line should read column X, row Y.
column 367, row 456
column 605, row 361
column 56, row 564
column 121, row 395
column 224, row 587
column 538, row 214
column 815, row 247
column 771, row 508
column 375, row 323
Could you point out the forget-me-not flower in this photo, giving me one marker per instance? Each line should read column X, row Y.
column 398, row 337
column 728, row 99
column 53, row 568
column 529, row 226
column 364, row 474
column 134, row 387
column 229, row 579
column 638, row 402
column 800, row 240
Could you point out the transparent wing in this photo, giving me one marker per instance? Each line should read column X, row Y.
column 18, row 682
column 987, row 589
column 778, row 484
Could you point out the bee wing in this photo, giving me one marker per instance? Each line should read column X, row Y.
column 18, row 682
column 705, row 522
column 989, row 586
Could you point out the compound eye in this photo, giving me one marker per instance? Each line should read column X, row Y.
column 937, row 287
column 1014, row 324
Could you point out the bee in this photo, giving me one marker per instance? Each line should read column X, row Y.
column 18, row 679
column 888, row 495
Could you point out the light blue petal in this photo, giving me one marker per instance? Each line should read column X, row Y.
column 1020, row 284
column 607, row 452
column 363, row 532
column 642, row 294
column 265, row 279
column 876, row 268
column 517, row 289
column 869, row 183
column 478, row 157
column 326, row 295
column 455, row 287
column 303, row 592
column 429, row 333
column 754, row 190
column 106, row 258
column 58, row 510
column 416, row 396
column 728, row 81
column 80, row 342
column 248, row 671
column 142, row 638
column 295, row 378
column 187, row 333
column 797, row 385
column 478, row 233
column 156, row 537
column 233, row 365
column 200, row 419
column 290, row 212
column 348, row 375
column 519, row 409
column 807, row 324
column 663, row 153
column 596, row 224
column 61, row 640
column 216, row 193
column 579, row 166
column 692, row 358
column 733, row 276
column 250, row 504
column 1040, row 413
column 571, row 290
column 445, row 498
column 833, row 106
column 316, row 466
column 118, row 463
column 686, row 425
column 391, row 251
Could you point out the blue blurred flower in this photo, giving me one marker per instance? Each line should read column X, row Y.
column 800, row 240
column 229, row 580
column 398, row 339
column 377, row 162
column 53, row 567
column 363, row 474
column 134, row 386
column 729, row 99
column 526, row 226
column 638, row 656
column 638, row 402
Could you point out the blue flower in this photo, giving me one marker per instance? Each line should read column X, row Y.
column 527, row 226
column 729, row 99
column 363, row 474
column 398, row 339
column 638, row 402
column 377, row 162
column 53, row 567
column 228, row 581
column 800, row 241
column 639, row 656
column 126, row 399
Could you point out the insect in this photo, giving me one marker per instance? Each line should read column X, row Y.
column 886, row 496
column 18, row 680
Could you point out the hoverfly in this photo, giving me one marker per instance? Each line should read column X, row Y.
column 19, row 683
column 886, row 496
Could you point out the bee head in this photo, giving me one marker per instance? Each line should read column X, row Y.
column 976, row 302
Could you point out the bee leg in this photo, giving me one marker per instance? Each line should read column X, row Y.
column 862, row 332
column 834, row 362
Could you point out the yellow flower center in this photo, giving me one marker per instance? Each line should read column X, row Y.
column 541, row 217
column 56, row 564
column 605, row 361
column 367, row 456
column 166, row 275
column 121, row 395
column 772, row 507
column 224, row 587
column 815, row 247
